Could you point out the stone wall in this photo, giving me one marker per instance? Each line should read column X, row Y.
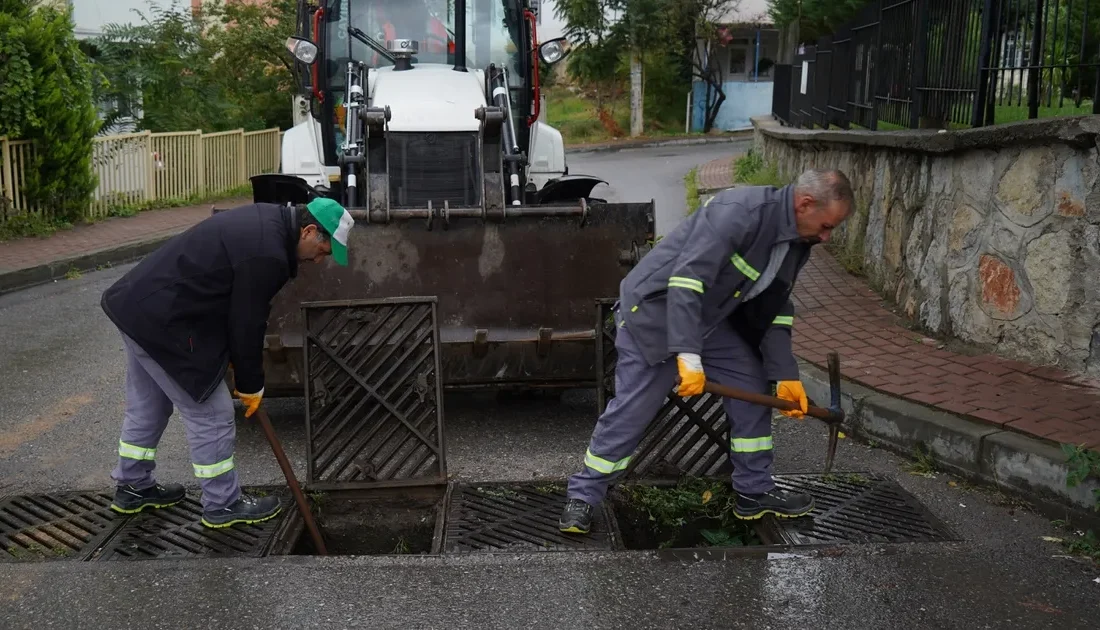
column 989, row 235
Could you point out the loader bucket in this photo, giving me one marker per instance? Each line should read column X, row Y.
column 516, row 296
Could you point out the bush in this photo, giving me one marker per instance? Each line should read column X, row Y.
column 46, row 96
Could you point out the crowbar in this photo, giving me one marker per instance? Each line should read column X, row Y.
column 292, row 481
column 832, row 416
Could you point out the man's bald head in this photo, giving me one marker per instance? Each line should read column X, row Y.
column 823, row 199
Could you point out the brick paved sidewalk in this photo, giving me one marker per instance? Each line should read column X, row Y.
column 112, row 233
column 836, row 311
column 715, row 174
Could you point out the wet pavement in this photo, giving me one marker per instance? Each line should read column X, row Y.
column 61, row 375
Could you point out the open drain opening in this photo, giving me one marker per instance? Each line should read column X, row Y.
column 375, row 522
column 696, row 512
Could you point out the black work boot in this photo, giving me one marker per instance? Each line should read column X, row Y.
column 247, row 510
column 576, row 517
column 776, row 501
column 130, row 500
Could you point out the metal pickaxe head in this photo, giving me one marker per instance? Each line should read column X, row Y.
column 836, row 411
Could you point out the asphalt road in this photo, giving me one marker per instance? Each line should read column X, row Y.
column 61, row 376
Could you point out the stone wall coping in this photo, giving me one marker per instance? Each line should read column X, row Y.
column 1080, row 132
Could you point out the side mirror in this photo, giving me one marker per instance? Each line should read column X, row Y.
column 554, row 50
column 302, row 49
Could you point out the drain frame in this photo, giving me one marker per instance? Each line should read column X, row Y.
column 834, row 512
column 488, row 517
column 427, row 432
column 176, row 533
column 88, row 527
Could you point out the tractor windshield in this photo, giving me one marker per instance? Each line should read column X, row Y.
column 494, row 30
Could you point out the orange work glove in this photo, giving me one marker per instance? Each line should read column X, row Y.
column 692, row 378
column 792, row 391
column 251, row 401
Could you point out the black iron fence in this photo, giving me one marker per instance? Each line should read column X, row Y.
column 947, row 64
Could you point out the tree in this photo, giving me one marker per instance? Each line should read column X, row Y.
column 46, row 95
column 223, row 68
column 710, row 37
column 602, row 28
column 160, row 72
column 814, row 17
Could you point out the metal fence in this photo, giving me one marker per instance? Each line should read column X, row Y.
column 138, row 168
column 948, row 64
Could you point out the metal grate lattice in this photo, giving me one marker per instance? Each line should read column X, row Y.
column 516, row 517
column 176, row 532
column 374, row 410
column 54, row 526
column 858, row 508
column 687, row 436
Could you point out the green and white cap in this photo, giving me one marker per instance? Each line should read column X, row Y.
column 330, row 214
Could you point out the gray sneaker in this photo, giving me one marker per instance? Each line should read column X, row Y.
column 247, row 510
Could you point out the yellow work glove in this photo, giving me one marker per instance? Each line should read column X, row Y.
column 692, row 378
column 251, row 401
column 792, row 391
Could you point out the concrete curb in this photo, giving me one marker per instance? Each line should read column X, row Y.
column 41, row 274
column 646, row 144
column 1012, row 461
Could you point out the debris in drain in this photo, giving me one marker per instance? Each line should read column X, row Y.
column 697, row 512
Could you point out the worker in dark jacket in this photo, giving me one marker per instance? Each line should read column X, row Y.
column 715, row 295
column 188, row 311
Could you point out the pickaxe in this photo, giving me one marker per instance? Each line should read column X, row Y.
column 833, row 416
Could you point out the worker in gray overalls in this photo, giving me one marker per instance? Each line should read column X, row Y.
column 714, row 294
column 189, row 310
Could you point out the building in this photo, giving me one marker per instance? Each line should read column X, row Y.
column 744, row 56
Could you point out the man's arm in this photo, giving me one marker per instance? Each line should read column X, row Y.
column 722, row 229
column 255, row 283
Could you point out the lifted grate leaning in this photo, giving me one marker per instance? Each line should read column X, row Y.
column 858, row 508
column 54, row 526
column 516, row 517
column 176, row 532
column 374, row 408
column 687, row 436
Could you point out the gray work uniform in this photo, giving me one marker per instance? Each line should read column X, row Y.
column 718, row 286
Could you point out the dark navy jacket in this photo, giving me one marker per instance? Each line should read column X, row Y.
column 201, row 300
column 700, row 273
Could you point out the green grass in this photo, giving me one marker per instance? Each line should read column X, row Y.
column 691, row 190
column 578, row 121
column 1002, row 114
column 752, row 170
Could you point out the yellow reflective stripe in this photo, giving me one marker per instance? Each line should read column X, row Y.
column 129, row 451
column 784, row 320
column 744, row 267
column 686, row 283
column 602, row 465
column 213, row 470
column 633, row 309
column 751, row 445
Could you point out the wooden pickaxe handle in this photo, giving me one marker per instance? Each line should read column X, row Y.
column 292, row 481
column 826, row 415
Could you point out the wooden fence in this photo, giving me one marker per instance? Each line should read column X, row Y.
column 138, row 168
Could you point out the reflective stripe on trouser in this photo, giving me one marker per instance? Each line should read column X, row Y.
column 210, row 428
column 640, row 392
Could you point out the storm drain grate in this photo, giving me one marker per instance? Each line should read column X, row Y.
column 858, row 508
column 687, row 436
column 516, row 517
column 54, row 526
column 176, row 532
column 374, row 409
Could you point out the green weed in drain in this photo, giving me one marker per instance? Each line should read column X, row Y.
column 694, row 502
